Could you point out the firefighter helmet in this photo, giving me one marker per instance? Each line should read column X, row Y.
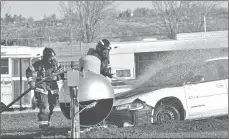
column 48, row 53
column 103, row 44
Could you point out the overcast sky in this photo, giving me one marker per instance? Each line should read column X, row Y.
column 37, row 9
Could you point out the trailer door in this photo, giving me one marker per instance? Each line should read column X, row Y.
column 26, row 100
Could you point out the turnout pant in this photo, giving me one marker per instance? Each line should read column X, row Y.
column 46, row 104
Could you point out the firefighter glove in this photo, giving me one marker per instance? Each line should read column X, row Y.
column 32, row 85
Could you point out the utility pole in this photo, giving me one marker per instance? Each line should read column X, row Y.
column 17, row 39
column 205, row 26
column 81, row 31
column 20, row 62
column 49, row 41
column 81, row 36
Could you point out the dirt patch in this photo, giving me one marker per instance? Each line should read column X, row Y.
column 25, row 125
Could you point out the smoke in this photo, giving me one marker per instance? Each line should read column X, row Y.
column 173, row 58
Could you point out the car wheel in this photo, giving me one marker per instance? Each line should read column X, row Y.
column 166, row 113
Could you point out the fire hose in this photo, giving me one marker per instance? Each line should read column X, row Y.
column 3, row 107
column 87, row 107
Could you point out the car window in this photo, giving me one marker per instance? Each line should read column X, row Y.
column 178, row 74
column 223, row 68
column 209, row 70
column 170, row 76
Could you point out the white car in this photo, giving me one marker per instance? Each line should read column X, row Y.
column 181, row 92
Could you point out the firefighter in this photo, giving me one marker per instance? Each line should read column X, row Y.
column 102, row 51
column 46, row 94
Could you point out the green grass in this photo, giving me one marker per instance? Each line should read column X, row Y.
column 25, row 125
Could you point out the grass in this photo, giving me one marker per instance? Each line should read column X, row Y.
column 25, row 125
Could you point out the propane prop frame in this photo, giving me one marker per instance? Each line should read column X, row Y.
column 94, row 95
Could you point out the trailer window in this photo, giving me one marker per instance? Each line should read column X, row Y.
column 123, row 73
column 4, row 66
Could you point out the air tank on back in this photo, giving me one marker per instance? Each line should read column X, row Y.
column 92, row 87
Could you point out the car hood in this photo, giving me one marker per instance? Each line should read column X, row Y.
column 142, row 90
column 135, row 91
column 130, row 96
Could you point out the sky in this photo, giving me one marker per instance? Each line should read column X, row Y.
column 37, row 9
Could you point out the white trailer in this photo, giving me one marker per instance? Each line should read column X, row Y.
column 14, row 61
column 128, row 59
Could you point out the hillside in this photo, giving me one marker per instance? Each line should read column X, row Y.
column 134, row 28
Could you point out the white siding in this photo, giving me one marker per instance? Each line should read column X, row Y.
column 121, row 62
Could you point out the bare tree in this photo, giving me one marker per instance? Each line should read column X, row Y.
column 40, row 33
column 170, row 14
column 6, row 35
column 87, row 18
column 4, row 28
column 66, row 9
column 197, row 12
column 187, row 14
column 2, row 6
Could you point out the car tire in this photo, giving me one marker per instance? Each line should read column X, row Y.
column 165, row 113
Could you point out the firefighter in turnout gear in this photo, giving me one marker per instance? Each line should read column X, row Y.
column 102, row 51
column 47, row 93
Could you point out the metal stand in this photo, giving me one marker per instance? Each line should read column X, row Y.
column 73, row 83
column 75, row 120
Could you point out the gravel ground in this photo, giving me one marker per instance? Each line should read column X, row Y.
column 25, row 125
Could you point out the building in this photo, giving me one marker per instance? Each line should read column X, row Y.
column 14, row 61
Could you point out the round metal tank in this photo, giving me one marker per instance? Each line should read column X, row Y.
column 90, row 63
column 92, row 87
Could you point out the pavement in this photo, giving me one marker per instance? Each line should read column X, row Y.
column 29, row 110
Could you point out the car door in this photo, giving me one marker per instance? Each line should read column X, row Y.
column 207, row 95
column 217, row 96
column 223, row 71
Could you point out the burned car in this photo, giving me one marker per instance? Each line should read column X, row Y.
column 178, row 92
